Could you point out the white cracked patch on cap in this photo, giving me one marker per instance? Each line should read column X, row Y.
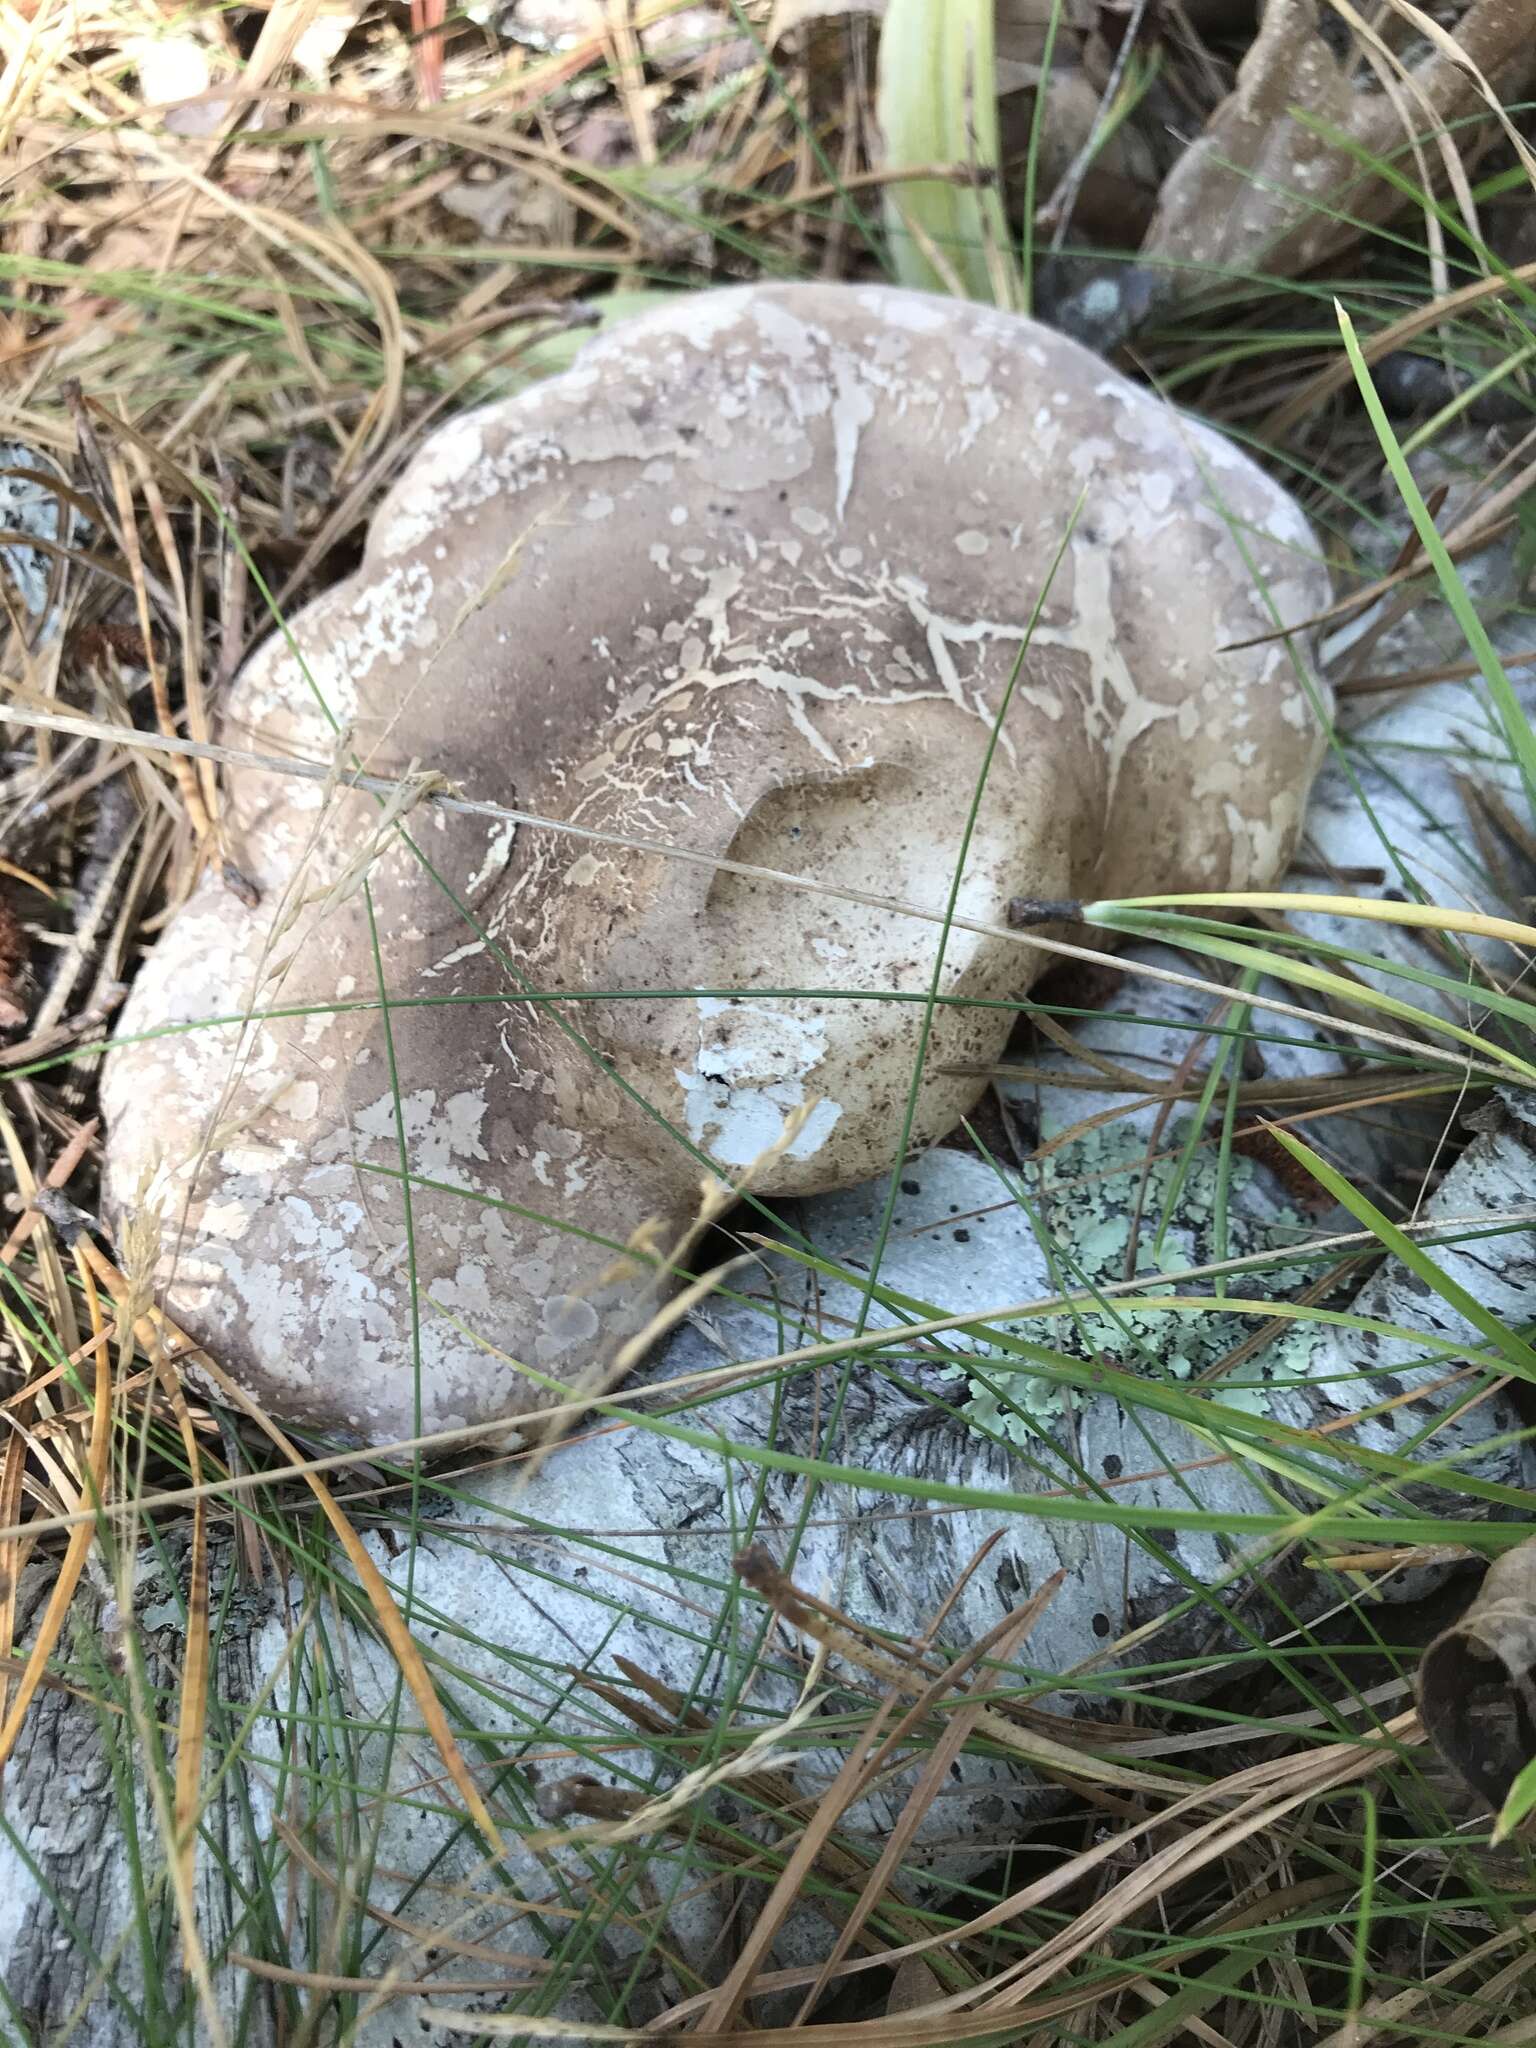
column 749, row 1076
column 410, row 516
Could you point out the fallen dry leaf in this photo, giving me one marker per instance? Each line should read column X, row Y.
column 913, row 1986
column 13, row 961
column 1477, row 1680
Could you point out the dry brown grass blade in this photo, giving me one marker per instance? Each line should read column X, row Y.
column 50, row 1276
column 280, row 35
column 1423, row 678
column 17, row 1548
column 920, row 2031
column 774, row 1791
column 1399, row 83
column 72, row 1564
column 183, row 770
column 759, row 1572
column 379, row 1988
column 724, row 2008
column 423, row 1938
column 190, row 640
column 499, row 145
column 393, row 1629
column 160, row 1339
column 1468, row 539
column 1261, row 1794
column 1496, row 511
column 1268, row 1792
column 333, row 255
column 192, row 1709
column 1392, row 2013
column 1002, row 1644
column 1339, row 376
column 14, row 1553
column 1465, row 57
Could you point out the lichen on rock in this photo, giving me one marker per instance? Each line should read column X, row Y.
column 1110, row 1209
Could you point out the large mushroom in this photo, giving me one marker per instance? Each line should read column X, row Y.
column 751, row 580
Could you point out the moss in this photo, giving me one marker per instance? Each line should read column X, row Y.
column 1085, row 1202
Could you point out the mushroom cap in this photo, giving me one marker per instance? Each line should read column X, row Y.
column 753, row 579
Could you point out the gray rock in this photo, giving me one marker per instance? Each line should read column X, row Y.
column 34, row 516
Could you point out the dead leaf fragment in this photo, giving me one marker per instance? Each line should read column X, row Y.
column 13, row 961
column 514, row 205
column 1477, row 1680
column 913, row 1986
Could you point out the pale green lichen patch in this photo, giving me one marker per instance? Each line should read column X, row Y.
column 1084, row 1203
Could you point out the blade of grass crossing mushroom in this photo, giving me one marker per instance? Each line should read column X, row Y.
column 1224, row 1153
column 440, row 796
column 370, row 1854
column 1322, row 1523
column 872, row 1341
column 318, row 771
column 952, row 903
column 1215, row 1073
column 918, row 2032
column 1066, row 1371
column 1517, row 730
column 1521, row 1355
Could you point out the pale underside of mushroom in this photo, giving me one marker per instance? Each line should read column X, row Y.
column 753, row 579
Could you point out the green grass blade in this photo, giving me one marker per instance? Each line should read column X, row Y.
column 1418, row 1262
column 1517, row 730
column 937, row 104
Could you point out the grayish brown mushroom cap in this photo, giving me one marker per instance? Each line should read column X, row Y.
column 750, row 579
